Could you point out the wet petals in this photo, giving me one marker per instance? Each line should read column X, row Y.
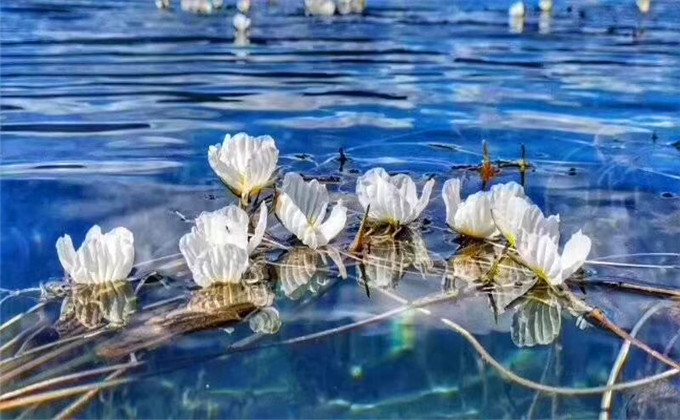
column 101, row 258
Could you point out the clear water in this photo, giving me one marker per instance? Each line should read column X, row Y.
column 108, row 109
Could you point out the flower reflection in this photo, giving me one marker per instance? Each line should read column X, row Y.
column 303, row 269
column 236, row 299
column 492, row 271
column 511, row 288
column 538, row 319
column 96, row 305
column 386, row 258
column 220, row 305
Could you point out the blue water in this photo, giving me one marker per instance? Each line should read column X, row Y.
column 108, row 109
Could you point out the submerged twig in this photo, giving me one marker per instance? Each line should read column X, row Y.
column 544, row 375
column 598, row 316
column 55, row 395
column 628, row 287
column 65, row 378
column 605, row 406
column 76, row 406
column 510, row 375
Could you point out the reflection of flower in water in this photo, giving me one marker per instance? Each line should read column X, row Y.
column 470, row 265
column 219, row 305
column 227, row 297
column 489, row 267
column 94, row 305
column 510, row 287
column 538, row 320
column 304, row 269
column 386, row 259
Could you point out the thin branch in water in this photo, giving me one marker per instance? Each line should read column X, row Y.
column 544, row 375
column 21, row 315
column 527, row 383
column 59, row 394
column 605, row 405
column 78, row 405
column 627, row 287
column 66, row 378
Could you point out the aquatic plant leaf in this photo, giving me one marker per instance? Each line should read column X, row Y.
column 509, row 281
column 297, row 269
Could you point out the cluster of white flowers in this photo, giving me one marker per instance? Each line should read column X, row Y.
column 506, row 210
column 218, row 248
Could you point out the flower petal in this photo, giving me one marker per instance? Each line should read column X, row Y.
column 243, row 162
column 474, row 218
column 540, row 254
column 292, row 218
column 220, row 264
column 258, row 233
column 420, row 205
column 334, row 224
column 67, row 254
column 227, row 173
column 388, row 202
column 574, row 254
column 534, row 221
column 310, row 197
column 451, row 196
column 509, row 216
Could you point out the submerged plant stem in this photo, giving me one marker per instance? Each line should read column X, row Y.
column 527, row 383
column 605, row 406
column 628, row 287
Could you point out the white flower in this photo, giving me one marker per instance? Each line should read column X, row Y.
column 243, row 6
column 245, row 163
column 229, row 225
column 473, row 216
column 392, row 199
column 101, row 258
column 217, row 248
column 517, row 10
column 540, row 253
column 320, row 7
column 301, row 207
column 517, row 213
column 212, row 264
column 241, row 22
